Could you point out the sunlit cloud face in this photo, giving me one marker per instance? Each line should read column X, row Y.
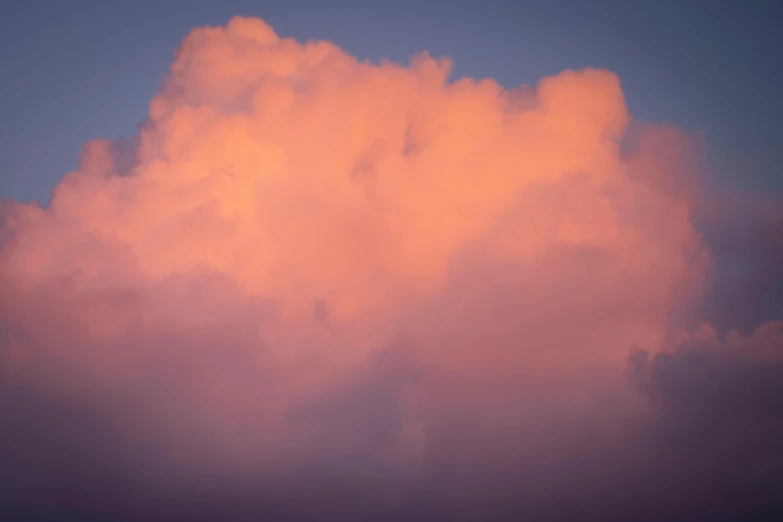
column 310, row 270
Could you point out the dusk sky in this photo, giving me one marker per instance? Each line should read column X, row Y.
column 383, row 261
column 79, row 70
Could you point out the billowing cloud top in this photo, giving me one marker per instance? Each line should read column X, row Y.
column 308, row 269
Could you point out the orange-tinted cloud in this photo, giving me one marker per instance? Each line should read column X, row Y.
column 305, row 175
column 311, row 257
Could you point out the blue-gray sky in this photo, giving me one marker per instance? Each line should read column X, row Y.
column 78, row 70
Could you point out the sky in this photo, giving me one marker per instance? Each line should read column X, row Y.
column 81, row 70
column 511, row 261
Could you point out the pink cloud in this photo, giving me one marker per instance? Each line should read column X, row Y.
column 238, row 295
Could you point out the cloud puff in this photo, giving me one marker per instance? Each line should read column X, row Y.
column 318, row 286
column 717, row 421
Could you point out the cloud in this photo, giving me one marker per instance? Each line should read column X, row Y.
column 717, row 421
column 317, row 287
column 745, row 232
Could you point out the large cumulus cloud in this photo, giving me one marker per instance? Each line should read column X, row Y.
column 322, row 287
